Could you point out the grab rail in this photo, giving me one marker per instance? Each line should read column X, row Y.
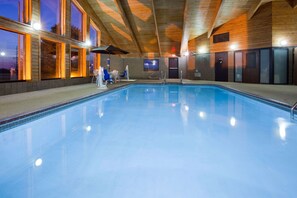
column 292, row 111
column 181, row 76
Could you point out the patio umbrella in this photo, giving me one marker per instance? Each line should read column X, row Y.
column 109, row 49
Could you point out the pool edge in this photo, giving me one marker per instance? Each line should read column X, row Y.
column 18, row 119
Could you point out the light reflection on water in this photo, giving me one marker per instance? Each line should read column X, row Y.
column 154, row 141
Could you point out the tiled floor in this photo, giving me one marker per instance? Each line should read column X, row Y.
column 24, row 103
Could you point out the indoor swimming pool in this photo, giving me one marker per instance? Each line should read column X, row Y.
column 153, row 141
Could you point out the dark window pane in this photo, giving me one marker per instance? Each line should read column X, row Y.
column 280, row 66
column 221, row 37
column 93, row 36
column 50, row 13
column 264, row 65
column 50, row 64
column 92, row 63
column 76, row 23
column 238, row 66
column 12, row 9
column 75, row 67
column 251, row 60
column 12, row 57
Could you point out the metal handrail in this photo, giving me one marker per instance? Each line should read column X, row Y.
column 292, row 110
column 181, row 76
column 164, row 77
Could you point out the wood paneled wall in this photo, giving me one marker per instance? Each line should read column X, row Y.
column 284, row 23
column 273, row 22
column 244, row 33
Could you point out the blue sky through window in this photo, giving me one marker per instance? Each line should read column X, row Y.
column 93, row 36
column 12, row 9
column 76, row 22
column 50, row 15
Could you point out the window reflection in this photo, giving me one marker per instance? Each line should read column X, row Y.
column 50, row 59
column 50, row 14
column 92, row 63
column 11, row 56
column 93, row 35
column 75, row 62
column 13, row 9
column 76, row 23
column 232, row 121
column 93, row 58
column 282, row 127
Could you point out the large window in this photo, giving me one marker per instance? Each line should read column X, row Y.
column 17, row 10
column 50, row 14
column 92, row 63
column 93, row 35
column 280, row 66
column 238, row 66
column 50, row 59
column 12, row 56
column 76, row 22
column 76, row 62
column 264, row 65
column 93, row 57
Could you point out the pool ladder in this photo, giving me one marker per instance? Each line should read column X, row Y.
column 293, row 111
column 163, row 77
column 181, row 76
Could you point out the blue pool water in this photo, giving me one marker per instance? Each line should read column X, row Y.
column 154, row 141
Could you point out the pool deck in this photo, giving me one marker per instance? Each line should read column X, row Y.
column 12, row 106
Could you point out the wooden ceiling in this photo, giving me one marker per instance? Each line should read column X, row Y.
column 153, row 28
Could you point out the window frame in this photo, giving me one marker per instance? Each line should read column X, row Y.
column 26, row 74
column 27, row 12
column 81, row 63
column 62, row 13
column 60, row 58
column 84, row 20
column 98, row 43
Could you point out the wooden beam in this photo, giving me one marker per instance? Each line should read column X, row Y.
column 293, row 3
column 156, row 27
column 127, row 24
column 97, row 20
column 185, row 37
column 254, row 9
column 215, row 18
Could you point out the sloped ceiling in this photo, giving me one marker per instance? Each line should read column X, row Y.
column 153, row 28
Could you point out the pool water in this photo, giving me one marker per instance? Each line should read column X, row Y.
column 154, row 141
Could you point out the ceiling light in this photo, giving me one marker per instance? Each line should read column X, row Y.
column 233, row 47
column 36, row 25
column 38, row 162
column 88, row 43
column 232, row 121
column 2, row 53
column 202, row 50
column 284, row 43
column 202, row 114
